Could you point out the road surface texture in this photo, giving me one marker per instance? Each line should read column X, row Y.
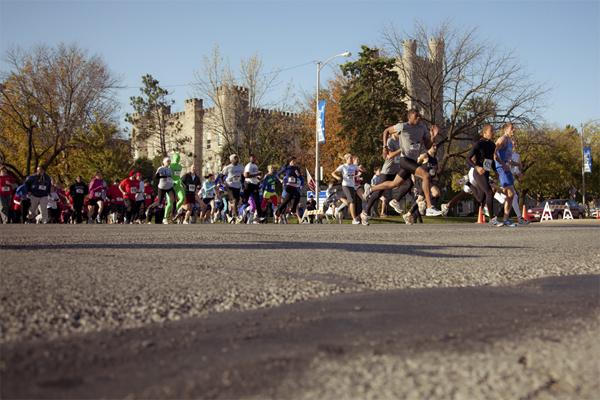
column 455, row 311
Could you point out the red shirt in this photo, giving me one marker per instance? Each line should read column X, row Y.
column 131, row 186
column 6, row 185
column 149, row 192
column 115, row 195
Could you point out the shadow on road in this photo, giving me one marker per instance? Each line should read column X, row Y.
column 241, row 354
column 391, row 249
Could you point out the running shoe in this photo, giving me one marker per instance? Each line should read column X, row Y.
column 494, row 221
column 523, row 221
column 432, row 212
column 367, row 192
column 356, row 221
column 408, row 218
column 445, row 210
column 509, row 224
column 364, row 218
column 396, row 206
column 229, row 219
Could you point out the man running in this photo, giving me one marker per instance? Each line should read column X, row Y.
column 252, row 182
column 481, row 161
column 292, row 182
column 38, row 187
column 233, row 181
column 129, row 187
column 191, row 186
column 413, row 135
column 78, row 190
column 117, row 203
column 503, row 159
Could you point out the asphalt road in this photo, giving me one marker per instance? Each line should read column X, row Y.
column 385, row 311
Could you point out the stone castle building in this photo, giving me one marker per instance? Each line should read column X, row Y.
column 203, row 130
column 422, row 76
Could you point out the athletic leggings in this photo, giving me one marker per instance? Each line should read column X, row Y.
column 374, row 198
column 292, row 194
column 483, row 192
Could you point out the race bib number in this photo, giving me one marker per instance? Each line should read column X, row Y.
column 291, row 179
column 415, row 146
column 432, row 171
column 98, row 194
column 133, row 190
column 79, row 191
column 235, row 179
column 42, row 187
column 487, row 164
column 119, row 199
column 6, row 188
column 192, row 188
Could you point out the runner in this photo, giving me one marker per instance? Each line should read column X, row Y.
column 413, row 135
column 503, row 159
column 252, row 183
column 129, row 187
column 38, row 188
column 516, row 169
column 117, row 203
column 96, row 196
column 346, row 173
column 208, row 194
column 269, row 191
column 78, row 190
column 191, row 186
column 292, row 183
column 138, row 212
column 481, row 161
column 389, row 170
column 53, row 210
column 179, row 193
column 7, row 190
column 233, row 181
column 165, row 189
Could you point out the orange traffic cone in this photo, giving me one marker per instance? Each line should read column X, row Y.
column 481, row 217
column 524, row 213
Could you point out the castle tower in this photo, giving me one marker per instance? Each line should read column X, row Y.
column 193, row 121
column 423, row 77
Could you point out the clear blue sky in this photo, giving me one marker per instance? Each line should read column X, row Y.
column 558, row 42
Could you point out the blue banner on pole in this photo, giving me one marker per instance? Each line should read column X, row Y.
column 321, row 126
column 587, row 160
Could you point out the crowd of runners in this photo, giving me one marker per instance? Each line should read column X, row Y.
column 244, row 194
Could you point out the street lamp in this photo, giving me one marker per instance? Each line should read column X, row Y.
column 320, row 65
column 583, row 162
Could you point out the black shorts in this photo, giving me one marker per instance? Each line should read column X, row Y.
column 207, row 200
column 117, row 208
column 234, row 194
column 350, row 193
column 94, row 201
column 190, row 198
column 408, row 167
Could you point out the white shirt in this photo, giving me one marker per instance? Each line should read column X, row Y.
column 234, row 175
column 348, row 173
column 252, row 169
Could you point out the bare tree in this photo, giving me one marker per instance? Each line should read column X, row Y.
column 240, row 120
column 474, row 83
column 49, row 95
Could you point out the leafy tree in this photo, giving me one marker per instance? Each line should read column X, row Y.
column 151, row 118
column 48, row 96
column 371, row 101
column 475, row 83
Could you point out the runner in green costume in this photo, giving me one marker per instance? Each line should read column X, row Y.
column 179, row 192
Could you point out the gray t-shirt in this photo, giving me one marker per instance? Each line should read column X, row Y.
column 391, row 166
column 234, row 175
column 167, row 182
column 411, row 138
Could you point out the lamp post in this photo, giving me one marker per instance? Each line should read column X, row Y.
column 320, row 65
column 583, row 162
